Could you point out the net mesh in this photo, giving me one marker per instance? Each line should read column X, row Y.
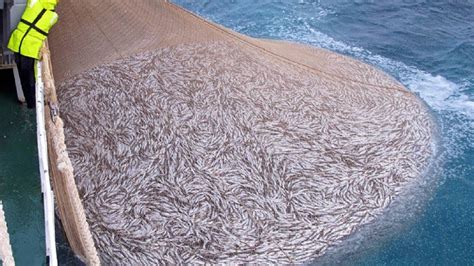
column 298, row 146
column 6, row 256
column 67, row 198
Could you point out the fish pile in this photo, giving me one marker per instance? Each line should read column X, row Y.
column 204, row 153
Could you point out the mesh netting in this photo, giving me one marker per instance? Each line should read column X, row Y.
column 191, row 143
column 6, row 256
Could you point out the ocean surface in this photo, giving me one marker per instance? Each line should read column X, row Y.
column 20, row 187
column 429, row 47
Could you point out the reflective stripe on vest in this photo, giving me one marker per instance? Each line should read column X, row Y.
column 31, row 26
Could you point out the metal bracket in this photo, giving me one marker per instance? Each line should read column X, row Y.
column 54, row 111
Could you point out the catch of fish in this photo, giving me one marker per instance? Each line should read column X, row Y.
column 204, row 153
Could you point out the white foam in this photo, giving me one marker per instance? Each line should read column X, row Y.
column 449, row 100
column 441, row 94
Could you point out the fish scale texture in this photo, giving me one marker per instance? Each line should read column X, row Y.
column 205, row 153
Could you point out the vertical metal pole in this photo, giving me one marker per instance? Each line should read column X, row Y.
column 7, row 55
column 8, row 58
column 19, row 89
column 44, row 171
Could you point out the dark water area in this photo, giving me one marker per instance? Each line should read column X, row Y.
column 20, row 187
column 20, row 182
column 429, row 47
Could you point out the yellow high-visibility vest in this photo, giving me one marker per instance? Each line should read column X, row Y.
column 49, row 4
column 37, row 19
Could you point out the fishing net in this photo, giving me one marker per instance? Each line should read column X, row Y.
column 190, row 143
column 6, row 256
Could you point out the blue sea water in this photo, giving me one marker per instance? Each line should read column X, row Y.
column 429, row 47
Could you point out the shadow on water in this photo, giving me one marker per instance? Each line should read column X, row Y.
column 65, row 254
column 20, row 187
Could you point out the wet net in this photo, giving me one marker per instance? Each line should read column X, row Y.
column 6, row 256
column 181, row 141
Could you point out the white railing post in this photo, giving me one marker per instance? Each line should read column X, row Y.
column 48, row 196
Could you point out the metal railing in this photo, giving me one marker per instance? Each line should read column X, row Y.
column 48, row 196
column 6, row 56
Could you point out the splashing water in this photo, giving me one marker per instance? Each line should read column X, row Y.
column 428, row 47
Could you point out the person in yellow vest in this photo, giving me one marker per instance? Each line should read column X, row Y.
column 27, row 40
